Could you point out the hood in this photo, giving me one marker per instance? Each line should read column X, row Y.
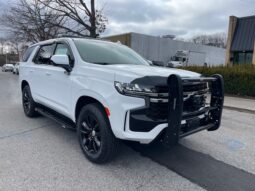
column 142, row 70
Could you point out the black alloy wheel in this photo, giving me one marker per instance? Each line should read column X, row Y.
column 28, row 103
column 90, row 134
column 95, row 136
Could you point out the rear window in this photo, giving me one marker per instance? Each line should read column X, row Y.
column 27, row 53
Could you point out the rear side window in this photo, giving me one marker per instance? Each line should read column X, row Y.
column 27, row 53
column 44, row 54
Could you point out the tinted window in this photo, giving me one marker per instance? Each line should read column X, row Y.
column 27, row 53
column 100, row 52
column 44, row 54
column 62, row 49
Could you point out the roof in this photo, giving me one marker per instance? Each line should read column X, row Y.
column 244, row 36
column 65, row 38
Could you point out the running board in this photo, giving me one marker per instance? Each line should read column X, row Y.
column 62, row 120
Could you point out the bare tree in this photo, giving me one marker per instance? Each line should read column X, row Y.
column 83, row 19
column 217, row 39
column 32, row 21
column 15, row 44
column 2, row 43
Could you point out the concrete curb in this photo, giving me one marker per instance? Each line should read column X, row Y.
column 240, row 109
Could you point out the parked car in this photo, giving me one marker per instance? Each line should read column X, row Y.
column 108, row 93
column 16, row 69
column 7, row 67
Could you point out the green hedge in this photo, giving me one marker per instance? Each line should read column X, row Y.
column 239, row 80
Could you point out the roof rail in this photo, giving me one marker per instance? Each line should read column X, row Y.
column 73, row 36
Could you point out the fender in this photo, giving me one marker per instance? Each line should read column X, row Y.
column 88, row 93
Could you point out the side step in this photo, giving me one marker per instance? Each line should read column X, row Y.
column 64, row 121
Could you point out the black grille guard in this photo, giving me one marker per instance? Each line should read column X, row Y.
column 212, row 113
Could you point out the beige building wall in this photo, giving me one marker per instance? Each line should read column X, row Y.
column 231, row 31
column 123, row 38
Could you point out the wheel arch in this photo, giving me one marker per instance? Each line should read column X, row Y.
column 23, row 84
column 85, row 100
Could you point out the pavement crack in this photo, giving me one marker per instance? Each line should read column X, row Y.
column 23, row 132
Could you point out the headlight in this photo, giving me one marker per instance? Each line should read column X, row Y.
column 135, row 89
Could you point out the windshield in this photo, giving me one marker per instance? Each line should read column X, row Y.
column 100, row 52
column 175, row 58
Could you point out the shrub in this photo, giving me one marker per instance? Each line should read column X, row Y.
column 238, row 80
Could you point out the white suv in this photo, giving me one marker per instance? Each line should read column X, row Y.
column 109, row 92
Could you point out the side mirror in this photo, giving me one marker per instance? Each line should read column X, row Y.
column 62, row 61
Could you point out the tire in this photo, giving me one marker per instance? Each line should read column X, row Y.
column 28, row 103
column 95, row 136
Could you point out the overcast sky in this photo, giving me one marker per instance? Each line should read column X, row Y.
column 184, row 18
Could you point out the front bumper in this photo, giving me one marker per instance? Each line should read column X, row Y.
column 179, row 123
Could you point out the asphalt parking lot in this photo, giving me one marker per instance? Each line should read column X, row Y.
column 37, row 154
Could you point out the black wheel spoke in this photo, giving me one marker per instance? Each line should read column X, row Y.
column 84, row 141
column 89, row 121
column 95, row 148
column 86, row 127
column 90, row 134
column 26, row 103
column 84, row 132
column 90, row 145
column 97, row 141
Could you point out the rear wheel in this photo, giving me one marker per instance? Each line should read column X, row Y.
column 95, row 135
column 28, row 102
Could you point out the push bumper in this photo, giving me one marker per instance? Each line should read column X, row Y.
column 178, row 123
column 208, row 118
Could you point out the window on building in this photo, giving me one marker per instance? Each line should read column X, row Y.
column 242, row 57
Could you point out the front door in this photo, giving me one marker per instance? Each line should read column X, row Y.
column 59, row 82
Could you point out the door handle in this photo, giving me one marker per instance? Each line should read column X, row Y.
column 31, row 71
column 48, row 74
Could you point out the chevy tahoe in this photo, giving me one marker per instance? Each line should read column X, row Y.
column 108, row 93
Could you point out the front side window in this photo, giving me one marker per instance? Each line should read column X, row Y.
column 99, row 52
column 27, row 53
column 62, row 49
column 44, row 54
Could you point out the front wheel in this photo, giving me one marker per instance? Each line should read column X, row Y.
column 28, row 102
column 95, row 135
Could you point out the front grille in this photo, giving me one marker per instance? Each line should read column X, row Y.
column 158, row 111
column 194, row 99
column 194, row 96
column 196, row 86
